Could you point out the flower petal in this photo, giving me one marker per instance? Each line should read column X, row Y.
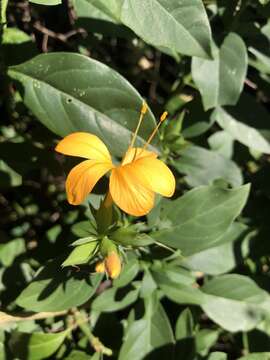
column 84, row 145
column 128, row 193
column 136, row 153
column 83, row 177
column 155, row 175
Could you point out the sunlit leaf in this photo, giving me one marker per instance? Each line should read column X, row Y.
column 56, row 289
column 70, row 92
column 37, row 345
column 198, row 220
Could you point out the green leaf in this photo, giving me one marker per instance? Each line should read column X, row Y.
column 56, row 289
column 180, row 293
column 198, row 220
column 129, row 236
column 217, row 355
column 84, row 240
column 3, row 9
column 176, row 19
column 202, row 167
column 2, row 346
column 8, row 176
column 228, row 72
column 245, row 134
column 10, row 250
column 177, row 286
column 148, row 285
column 46, row 2
column 221, row 259
column 146, row 335
column 257, row 356
column 115, row 299
column 69, row 92
column 80, row 355
column 262, row 62
column 222, row 143
column 235, row 302
column 84, row 229
column 81, row 254
column 101, row 16
column 205, row 339
column 185, row 325
column 37, row 345
column 128, row 273
column 108, row 10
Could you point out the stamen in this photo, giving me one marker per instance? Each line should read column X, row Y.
column 163, row 117
column 143, row 112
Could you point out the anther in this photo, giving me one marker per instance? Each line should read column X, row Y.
column 144, row 108
column 161, row 119
column 164, row 116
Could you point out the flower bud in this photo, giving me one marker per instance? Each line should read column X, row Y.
column 113, row 264
column 100, row 267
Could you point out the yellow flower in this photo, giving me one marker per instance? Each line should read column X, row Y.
column 133, row 183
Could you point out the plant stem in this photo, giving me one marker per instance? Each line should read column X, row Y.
column 245, row 343
column 82, row 323
column 4, row 4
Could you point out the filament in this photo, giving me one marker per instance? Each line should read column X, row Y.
column 143, row 112
column 163, row 117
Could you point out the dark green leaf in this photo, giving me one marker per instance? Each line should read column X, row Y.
column 128, row 273
column 222, row 258
column 202, row 167
column 197, row 220
column 92, row 98
column 176, row 19
column 56, row 289
column 228, row 72
column 115, row 299
column 146, row 335
column 84, row 229
column 128, row 236
column 247, row 135
column 235, row 302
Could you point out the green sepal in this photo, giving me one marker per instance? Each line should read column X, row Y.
column 81, row 254
column 84, row 240
column 105, row 216
column 107, row 246
column 128, row 236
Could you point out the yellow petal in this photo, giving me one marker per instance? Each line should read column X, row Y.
column 84, row 145
column 129, row 193
column 83, row 177
column 155, row 175
column 136, row 153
